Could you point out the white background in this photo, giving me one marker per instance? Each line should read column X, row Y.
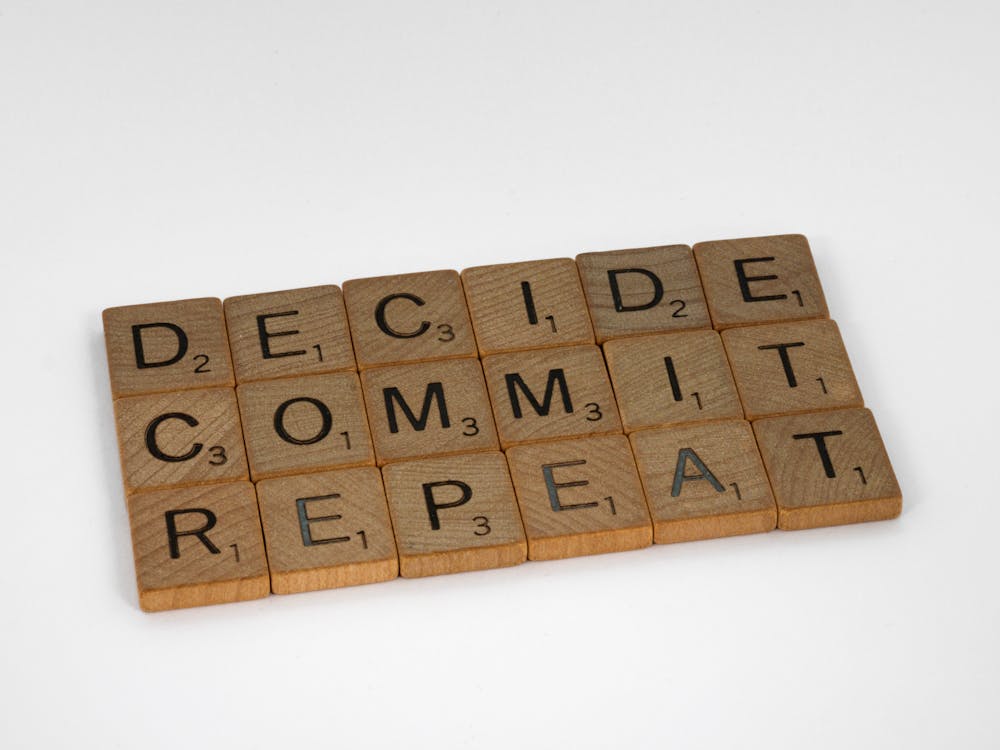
column 171, row 150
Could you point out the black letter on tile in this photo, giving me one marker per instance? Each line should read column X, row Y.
column 515, row 381
column 433, row 507
column 154, row 449
column 305, row 519
column 380, row 320
column 140, row 355
column 683, row 456
column 265, row 335
column 435, row 391
column 675, row 386
column 616, row 293
column 786, row 362
column 824, row 454
column 324, row 413
column 745, row 280
column 173, row 534
column 553, row 486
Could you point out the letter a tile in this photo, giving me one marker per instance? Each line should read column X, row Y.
column 760, row 280
column 453, row 514
column 704, row 481
column 580, row 497
column 327, row 530
column 197, row 545
column 828, row 468
column 167, row 346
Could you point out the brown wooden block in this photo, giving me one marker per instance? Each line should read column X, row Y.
column 646, row 290
column 788, row 368
column 290, row 333
column 182, row 438
column 167, row 346
column 551, row 393
column 296, row 425
column 760, row 280
column 327, row 530
column 580, row 497
column 409, row 317
column 197, row 545
column 828, row 468
column 455, row 513
column 429, row 408
column 672, row 378
column 704, row 481
column 527, row 305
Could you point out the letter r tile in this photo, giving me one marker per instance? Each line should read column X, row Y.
column 828, row 468
column 167, row 346
column 760, row 280
column 427, row 409
column 327, row 530
column 646, row 290
column 409, row 317
column 197, row 545
column 454, row 513
column 580, row 497
column 284, row 334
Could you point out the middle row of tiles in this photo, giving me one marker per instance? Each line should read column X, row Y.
column 437, row 408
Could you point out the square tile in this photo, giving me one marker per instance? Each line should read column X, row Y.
column 550, row 393
column 455, row 513
column 429, row 408
column 409, row 317
column 580, row 497
column 327, row 530
column 646, row 290
column 789, row 368
column 182, row 438
column 296, row 425
column 704, row 481
column 760, row 280
column 290, row 333
column 828, row 468
column 528, row 305
column 167, row 346
column 197, row 545
column 672, row 378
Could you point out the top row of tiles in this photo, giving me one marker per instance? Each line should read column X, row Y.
column 415, row 317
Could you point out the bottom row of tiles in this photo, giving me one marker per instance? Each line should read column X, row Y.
column 230, row 542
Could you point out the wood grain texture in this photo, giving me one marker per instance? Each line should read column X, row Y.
column 759, row 280
column 296, row 425
column 453, row 514
column 197, row 545
column 645, row 290
column 178, row 439
column 409, row 317
column 704, row 481
column 580, row 497
column 327, row 530
column 551, row 393
column 671, row 379
column 167, row 346
column 528, row 305
column 828, row 468
column 428, row 409
column 288, row 334
column 790, row 368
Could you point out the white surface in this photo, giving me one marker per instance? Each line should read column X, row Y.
column 189, row 149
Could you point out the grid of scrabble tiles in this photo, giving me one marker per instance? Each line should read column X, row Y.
column 439, row 422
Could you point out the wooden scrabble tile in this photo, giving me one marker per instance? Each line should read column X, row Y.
column 197, row 545
column 296, row 425
column 550, row 393
column 167, row 346
column 672, row 378
column 290, row 333
column 327, row 530
column 704, row 481
column 527, row 305
column 428, row 408
column 828, row 468
column 580, row 497
column 409, row 317
column 455, row 513
column 760, row 280
column 646, row 290
column 182, row 438
column 788, row 368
